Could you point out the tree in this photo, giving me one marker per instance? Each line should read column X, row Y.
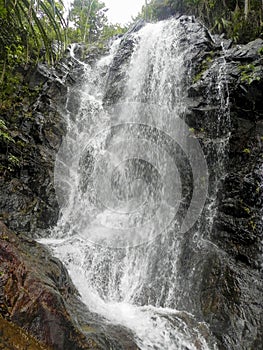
column 28, row 30
column 24, row 21
column 88, row 18
column 246, row 9
column 240, row 20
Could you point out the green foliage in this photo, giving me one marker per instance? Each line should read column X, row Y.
column 4, row 133
column 27, row 27
column 90, row 24
column 249, row 73
column 13, row 160
column 29, row 30
column 31, row 25
column 253, row 225
column 111, row 30
column 6, row 139
column 88, row 18
column 203, row 67
column 240, row 20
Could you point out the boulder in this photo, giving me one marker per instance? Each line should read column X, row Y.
column 40, row 305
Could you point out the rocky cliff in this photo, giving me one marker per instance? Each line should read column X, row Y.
column 225, row 108
column 231, row 292
column 226, row 288
column 40, row 307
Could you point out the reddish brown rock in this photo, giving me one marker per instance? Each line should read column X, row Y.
column 38, row 299
column 13, row 337
column 34, row 289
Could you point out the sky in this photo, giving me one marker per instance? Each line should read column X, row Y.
column 120, row 11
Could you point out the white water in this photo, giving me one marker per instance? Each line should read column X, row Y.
column 120, row 190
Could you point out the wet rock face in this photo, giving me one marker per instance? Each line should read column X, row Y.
column 34, row 289
column 231, row 302
column 38, row 301
column 193, row 34
column 27, row 197
column 231, row 287
column 14, row 337
column 237, row 225
column 38, row 298
column 238, row 228
column 220, row 279
column 226, row 289
column 116, row 78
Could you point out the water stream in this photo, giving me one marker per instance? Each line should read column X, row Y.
column 123, row 177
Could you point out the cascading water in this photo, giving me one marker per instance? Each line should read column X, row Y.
column 122, row 177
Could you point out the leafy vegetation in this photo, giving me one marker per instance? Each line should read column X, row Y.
column 249, row 73
column 88, row 23
column 29, row 29
column 39, row 30
column 27, row 26
column 203, row 67
column 240, row 20
column 4, row 133
column 88, row 18
column 33, row 31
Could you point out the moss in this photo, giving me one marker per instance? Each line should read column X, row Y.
column 88, row 329
column 5, row 134
column 247, row 210
column 206, row 63
column 246, row 150
column 253, row 225
column 21, row 144
column 28, row 208
column 198, row 76
column 249, row 73
column 4, row 237
column 14, row 337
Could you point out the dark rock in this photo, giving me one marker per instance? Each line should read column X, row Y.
column 230, row 259
column 116, row 76
column 38, row 297
column 13, row 337
column 223, row 272
column 249, row 52
column 227, row 296
column 76, row 50
column 220, row 41
column 34, row 290
column 27, row 197
column 219, row 280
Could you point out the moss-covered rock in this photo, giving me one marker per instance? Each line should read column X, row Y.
column 13, row 337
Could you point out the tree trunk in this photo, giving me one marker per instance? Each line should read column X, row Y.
column 87, row 21
column 246, row 9
column 3, row 72
column 146, row 10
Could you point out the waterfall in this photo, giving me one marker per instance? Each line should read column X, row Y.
column 131, row 181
